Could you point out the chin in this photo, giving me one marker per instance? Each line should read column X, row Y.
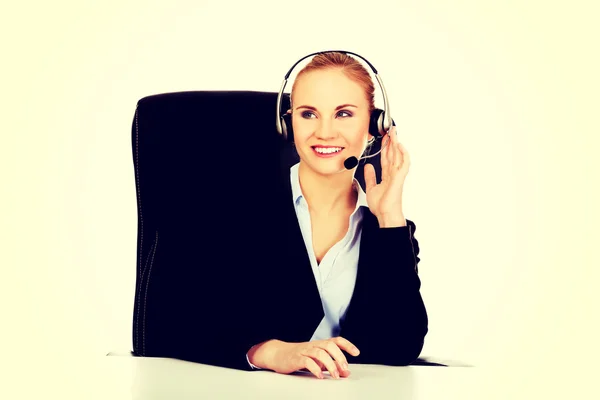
column 330, row 170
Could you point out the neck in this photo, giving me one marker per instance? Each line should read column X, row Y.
column 327, row 194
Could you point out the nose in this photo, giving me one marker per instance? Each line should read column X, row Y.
column 325, row 130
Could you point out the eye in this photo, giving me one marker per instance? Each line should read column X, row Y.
column 347, row 114
column 307, row 114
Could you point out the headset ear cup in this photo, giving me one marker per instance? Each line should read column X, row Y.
column 376, row 123
column 286, row 127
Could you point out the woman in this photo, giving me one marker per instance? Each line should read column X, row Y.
column 361, row 248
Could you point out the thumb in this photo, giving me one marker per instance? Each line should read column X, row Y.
column 370, row 178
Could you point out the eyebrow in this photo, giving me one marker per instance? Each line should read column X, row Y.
column 337, row 108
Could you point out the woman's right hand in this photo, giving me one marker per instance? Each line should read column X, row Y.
column 315, row 356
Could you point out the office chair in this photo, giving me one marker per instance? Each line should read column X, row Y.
column 202, row 160
column 205, row 163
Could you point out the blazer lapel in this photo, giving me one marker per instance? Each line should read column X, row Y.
column 368, row 253
column 301, row 302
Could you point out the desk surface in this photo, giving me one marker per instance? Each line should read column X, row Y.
column 121, row 377
column 153, row 378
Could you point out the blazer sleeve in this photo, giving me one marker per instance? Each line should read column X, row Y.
column 386, row 318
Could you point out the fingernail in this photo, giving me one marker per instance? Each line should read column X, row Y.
column 345, row 366
column 321, row 375
column 336, row 374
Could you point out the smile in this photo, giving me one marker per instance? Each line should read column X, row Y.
column 327, row 150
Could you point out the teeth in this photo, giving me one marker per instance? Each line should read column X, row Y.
column 327, row 150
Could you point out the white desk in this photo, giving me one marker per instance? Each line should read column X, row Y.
column 153, row 378
column 124, row 377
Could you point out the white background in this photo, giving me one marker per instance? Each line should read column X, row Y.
column 497, row 103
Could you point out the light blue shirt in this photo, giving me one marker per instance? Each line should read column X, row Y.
column 335, row 276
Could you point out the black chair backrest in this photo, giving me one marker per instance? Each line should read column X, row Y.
column 201, row 159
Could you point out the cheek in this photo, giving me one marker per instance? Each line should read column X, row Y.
column 302, row 134
column 358, row 134
column 303, row 127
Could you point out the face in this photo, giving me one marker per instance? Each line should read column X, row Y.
column 330, row 118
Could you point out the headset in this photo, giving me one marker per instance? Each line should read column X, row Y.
column 380, row 120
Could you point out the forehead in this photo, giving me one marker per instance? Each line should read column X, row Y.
column 329, row 87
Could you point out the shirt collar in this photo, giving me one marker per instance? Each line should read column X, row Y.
column 297, row 191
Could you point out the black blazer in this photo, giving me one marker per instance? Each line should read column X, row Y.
column 259, row 285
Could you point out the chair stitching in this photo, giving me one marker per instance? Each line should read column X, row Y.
column 146, row 294
column 152, row 247
column 139, row 197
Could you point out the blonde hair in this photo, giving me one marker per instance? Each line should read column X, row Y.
column 349, row 66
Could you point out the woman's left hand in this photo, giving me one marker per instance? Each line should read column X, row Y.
column 385, row 199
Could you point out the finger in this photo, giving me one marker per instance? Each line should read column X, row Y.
column 343, row 374
column 391, row 152
column 393, row 146
column 392, row 133
column 320, row 364
column 324, row 357
column 393, row 159
column 398, row 157
column 370, row 177
column 339, row 357
column 405, row 158
column 346, row 345
column 312, row 366
column 396, row 160
column 384, row 158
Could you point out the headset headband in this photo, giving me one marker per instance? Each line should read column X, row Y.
column 388, row 117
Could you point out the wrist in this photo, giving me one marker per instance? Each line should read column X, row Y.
column 263, row 354
column 391, row 220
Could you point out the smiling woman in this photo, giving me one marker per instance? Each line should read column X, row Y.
column 361, row 249
column 329, row 111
